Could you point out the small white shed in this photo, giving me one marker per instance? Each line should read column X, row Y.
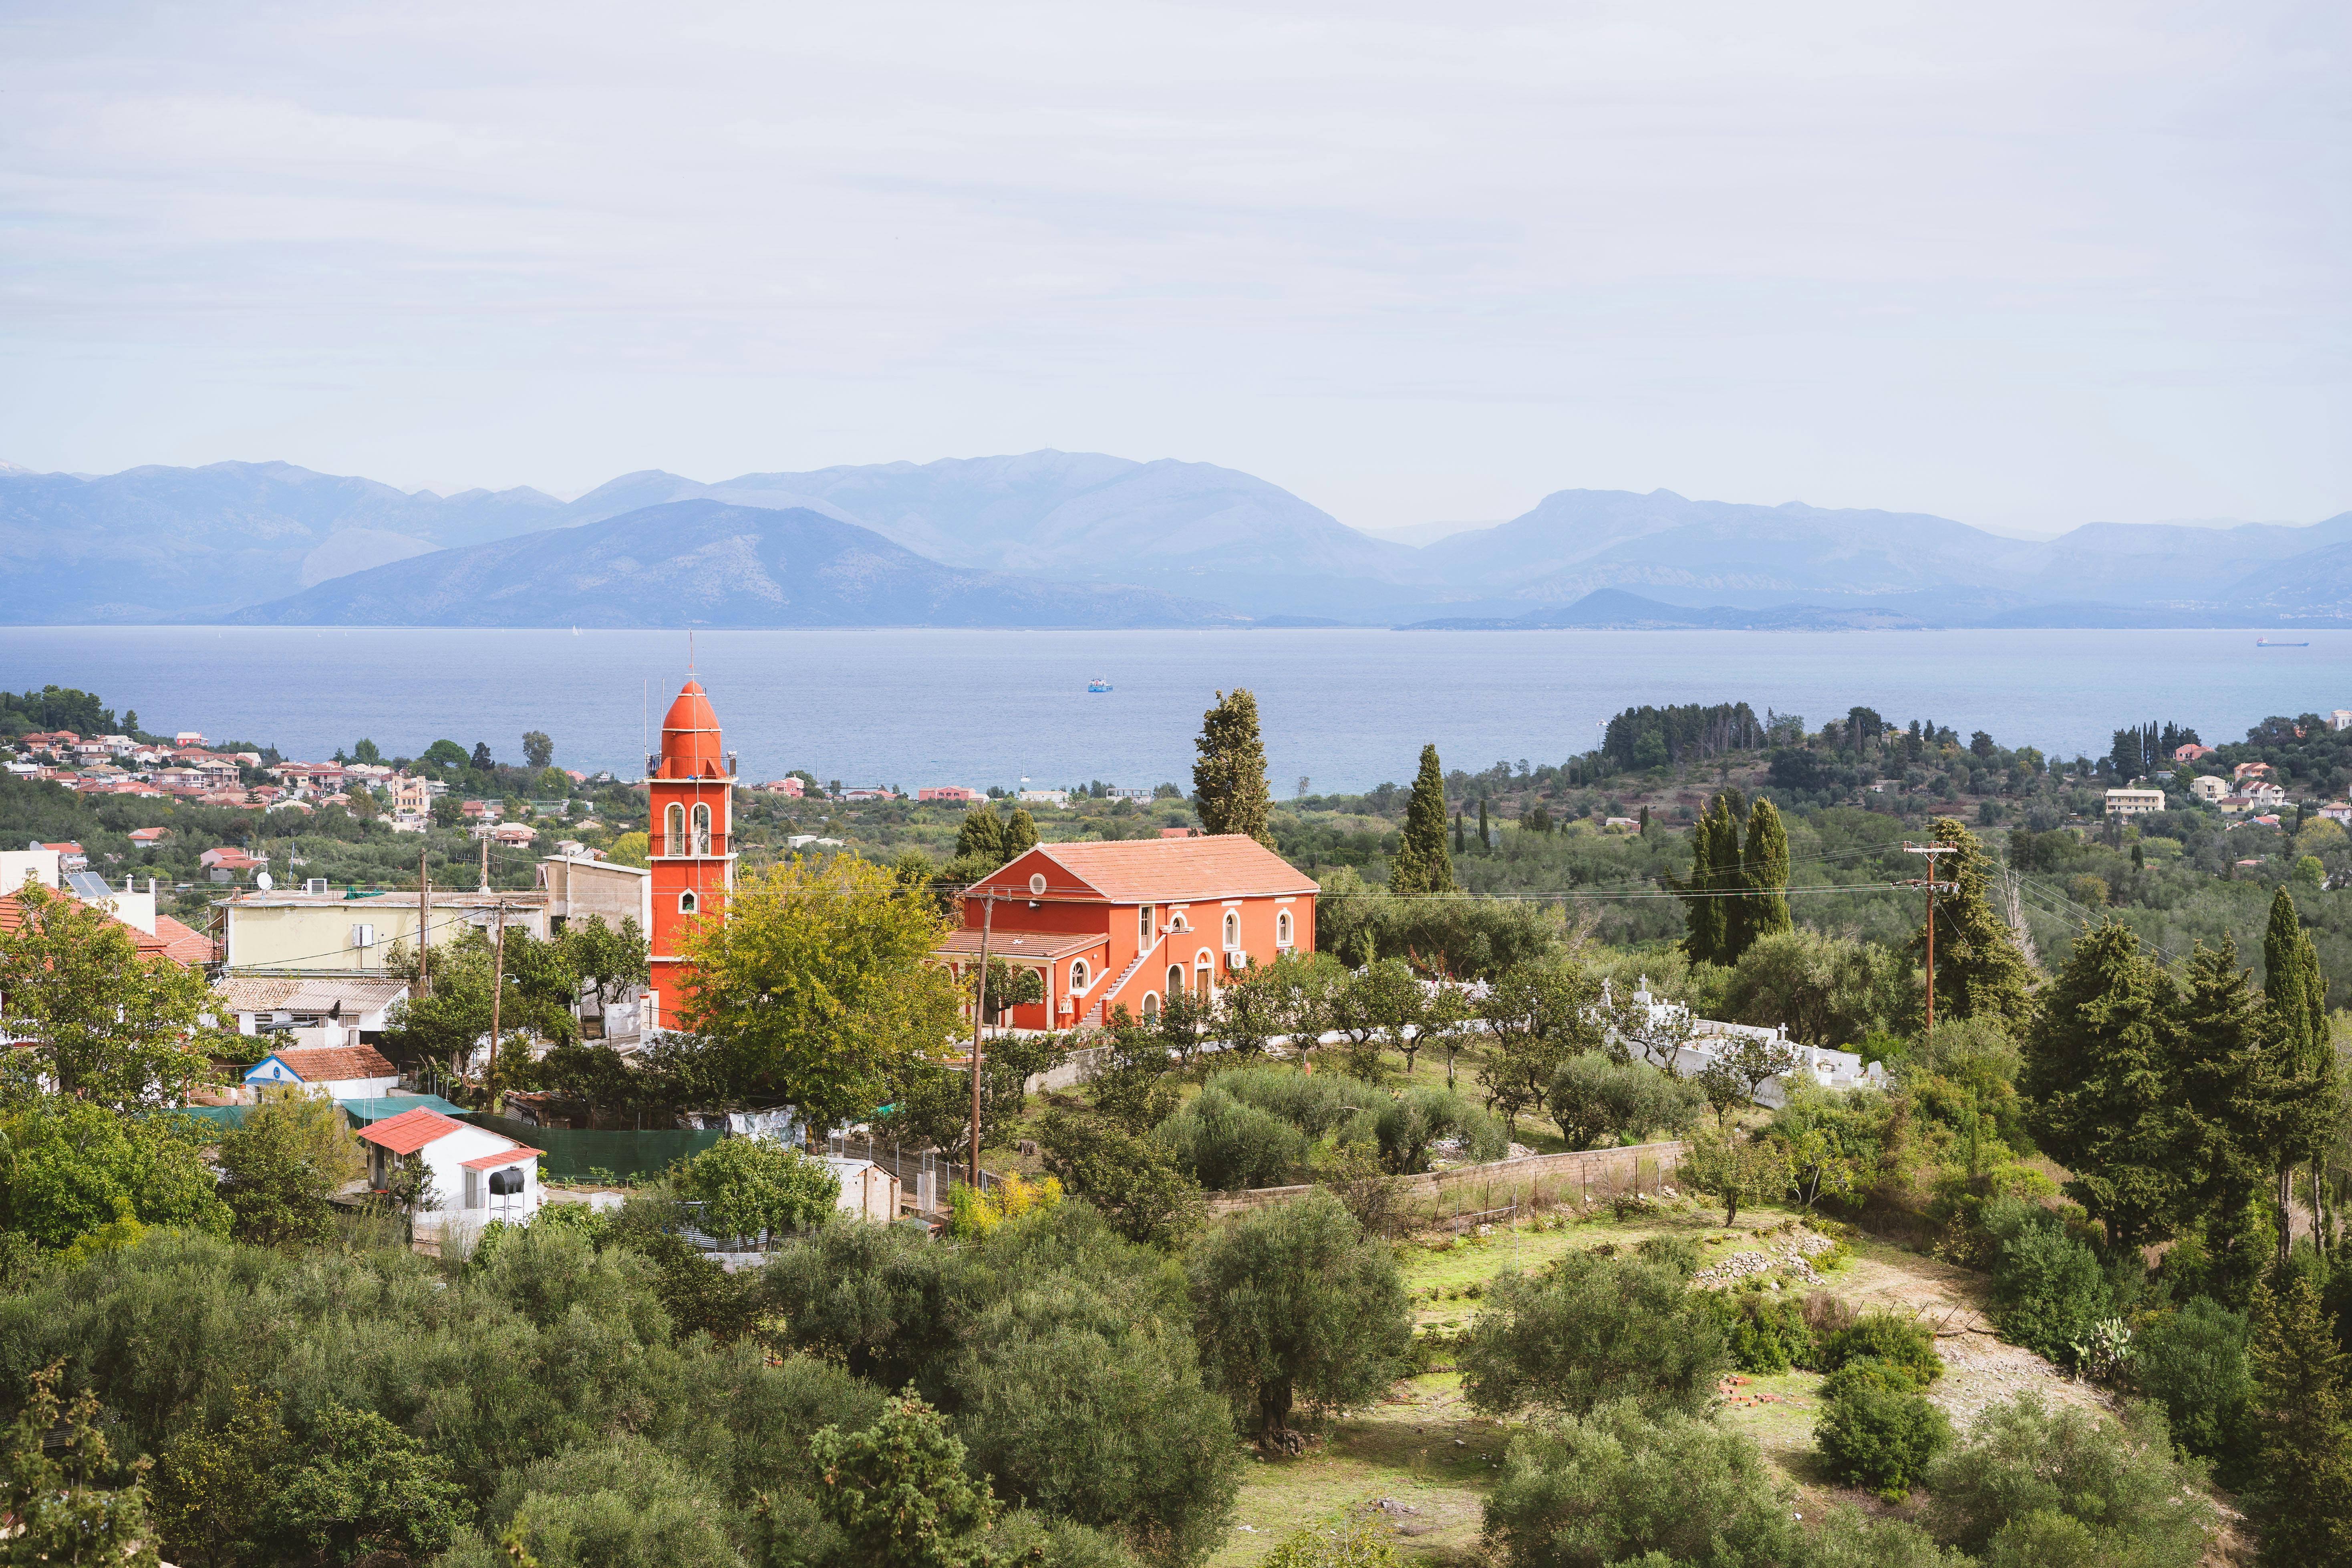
column 477, row 1175
column 867, row 1190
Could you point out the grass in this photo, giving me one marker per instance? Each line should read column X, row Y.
column 1432, row 1460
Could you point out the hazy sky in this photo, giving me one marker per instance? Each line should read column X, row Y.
column 2023, row 265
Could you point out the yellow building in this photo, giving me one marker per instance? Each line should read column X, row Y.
column 323, row 932
column 2134, row 802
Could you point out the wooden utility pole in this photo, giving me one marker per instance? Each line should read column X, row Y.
column 424, row 925
column 979, row 1017
column 1933, row 887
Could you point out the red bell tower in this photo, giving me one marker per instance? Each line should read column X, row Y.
column 692, row 828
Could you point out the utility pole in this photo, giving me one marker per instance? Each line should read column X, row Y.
column 498, row 988
column 1932, row 887
column 979, row 1016
column 424, row 924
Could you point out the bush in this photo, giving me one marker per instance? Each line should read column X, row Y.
column 1228, row 1145
column 2116, row 1487
column 1590, row 1331
column 1765, row 1331
column 2193, row 1362
column 1362, row 1544
column 757, row 1187
column 2047, row 1287
column 1407, row 1125
column 1880, row 1439
column 1846, row 1539
column 1616, row 1485
column 1594, row 1098
column 1889, row 1337
column 1319, row 1104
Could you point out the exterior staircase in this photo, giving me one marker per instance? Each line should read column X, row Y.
column 1093, row 1018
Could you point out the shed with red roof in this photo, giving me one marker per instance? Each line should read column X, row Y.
column 477, row 1175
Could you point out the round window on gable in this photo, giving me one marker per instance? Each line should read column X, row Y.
column 1037, row 884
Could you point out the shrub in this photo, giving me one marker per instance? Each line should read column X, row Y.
column 1679, row 1253
column 1229, row 1145
column 1846, row 1539
column 1879, row 1438
column 1321, row 1104
column 2116, row 1483
column 1594, row 1098
column 2192, row 1361
column 2047, row 1287
column 1889, row 1337
column 1589, row 1331
column 1616, row 1485
column 1407, row 1125
column 1362, row 1544
column 1765, row 1331
column 757, row 1187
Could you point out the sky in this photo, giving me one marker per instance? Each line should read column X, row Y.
column 2027, row 266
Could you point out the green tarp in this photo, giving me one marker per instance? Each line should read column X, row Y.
column 583, row 1156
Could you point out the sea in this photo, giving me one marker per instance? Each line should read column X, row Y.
column 1342, row 710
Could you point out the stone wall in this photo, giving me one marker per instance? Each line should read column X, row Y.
column 1534, row 1181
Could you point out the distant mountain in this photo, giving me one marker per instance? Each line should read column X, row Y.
column 1614, row 609
column 707, row 563
column 154, row 542
column 1193, row 529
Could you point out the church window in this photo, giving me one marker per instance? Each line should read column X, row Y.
column 702, row 830
column 674, row 830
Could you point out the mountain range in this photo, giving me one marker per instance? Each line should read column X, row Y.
column 1082, row 539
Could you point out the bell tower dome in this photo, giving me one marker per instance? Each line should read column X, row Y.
column 691, row 783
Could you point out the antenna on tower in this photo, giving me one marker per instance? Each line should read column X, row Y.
column 689, row 652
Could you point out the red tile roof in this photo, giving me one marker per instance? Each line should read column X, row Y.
column 335, row 1064
column 1003, row 944
column 504, row 1157
column 1152, row 870
column 410, row 1129
column 183, row 944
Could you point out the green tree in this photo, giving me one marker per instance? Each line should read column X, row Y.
column 615, row 1504
column 537, row 749
column 359, row 1489
column 114, row 1027
column 1020, row 834
column 2223, row 1118
column 817, row 987
column 1620, row 1487
column 71, row 1167
column 628, row 848
column 1295, row 1307
column 1590, row 1331
column 898, row 1491
column 278, row 1170
column 82, row 1506
column 2098, row 1073
column 1713, row 873
column 2306, row 1080
column 1980, row 972
column 757, row 1187
column 1229, row 787
column 1541, row 1016
column 2303, row 1458
column 1764, row 873
column 2033, row 1488
column 1421, row 863
column 1737, row 1171
column 981, row 835
column 213, row 1480
column 1134, row 1181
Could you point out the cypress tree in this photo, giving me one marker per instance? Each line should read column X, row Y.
column 1020, row 832
column 1764, row 873
column 1486, row 839
column 1458, row 833
column 1422, row 865
column 2304, row 1497
column 982, row 832
column 1980, row 972
column 1706, row 919
column 1229, row 787
column 2097, row 1070
column 2305, row 1086
column 2224, row 1118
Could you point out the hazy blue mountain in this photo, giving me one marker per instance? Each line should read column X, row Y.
column 707, row 563
column 153, row 543
column 1617, row 610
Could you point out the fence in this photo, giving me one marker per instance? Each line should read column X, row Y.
column 924, row 1175
column 1438, row 1198
column 583, row 1156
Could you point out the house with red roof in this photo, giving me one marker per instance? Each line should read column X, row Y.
column 340, row 1072
column 1126, row 923
column 477, row 1175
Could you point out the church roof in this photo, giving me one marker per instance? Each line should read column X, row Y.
column 690, row 739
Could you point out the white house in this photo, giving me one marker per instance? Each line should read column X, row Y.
column 477, row 1176
column 345, row 1072
column 255, row 1004
column 867, row 1190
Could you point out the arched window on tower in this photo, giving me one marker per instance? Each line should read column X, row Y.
column 688, row 903
column 702, row 830
column 673, row 829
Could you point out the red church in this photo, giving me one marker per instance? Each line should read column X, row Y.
column 1127, row 922
column 692, row 828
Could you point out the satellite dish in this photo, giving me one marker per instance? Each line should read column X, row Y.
column 261, row 880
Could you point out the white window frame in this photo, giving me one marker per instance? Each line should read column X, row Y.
column 1282, row 928
column 1078, row 977
column 673, row 829
column 687, row 904
column 1233, row 929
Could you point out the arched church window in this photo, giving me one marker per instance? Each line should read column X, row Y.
column 674, row 830
column 702, row 830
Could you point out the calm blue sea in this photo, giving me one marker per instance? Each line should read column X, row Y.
column 1345, row 709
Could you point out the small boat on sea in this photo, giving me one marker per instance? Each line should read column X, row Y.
column 2265, row 642
column 1097, row 684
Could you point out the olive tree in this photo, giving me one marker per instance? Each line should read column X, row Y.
column 1296, row 1308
